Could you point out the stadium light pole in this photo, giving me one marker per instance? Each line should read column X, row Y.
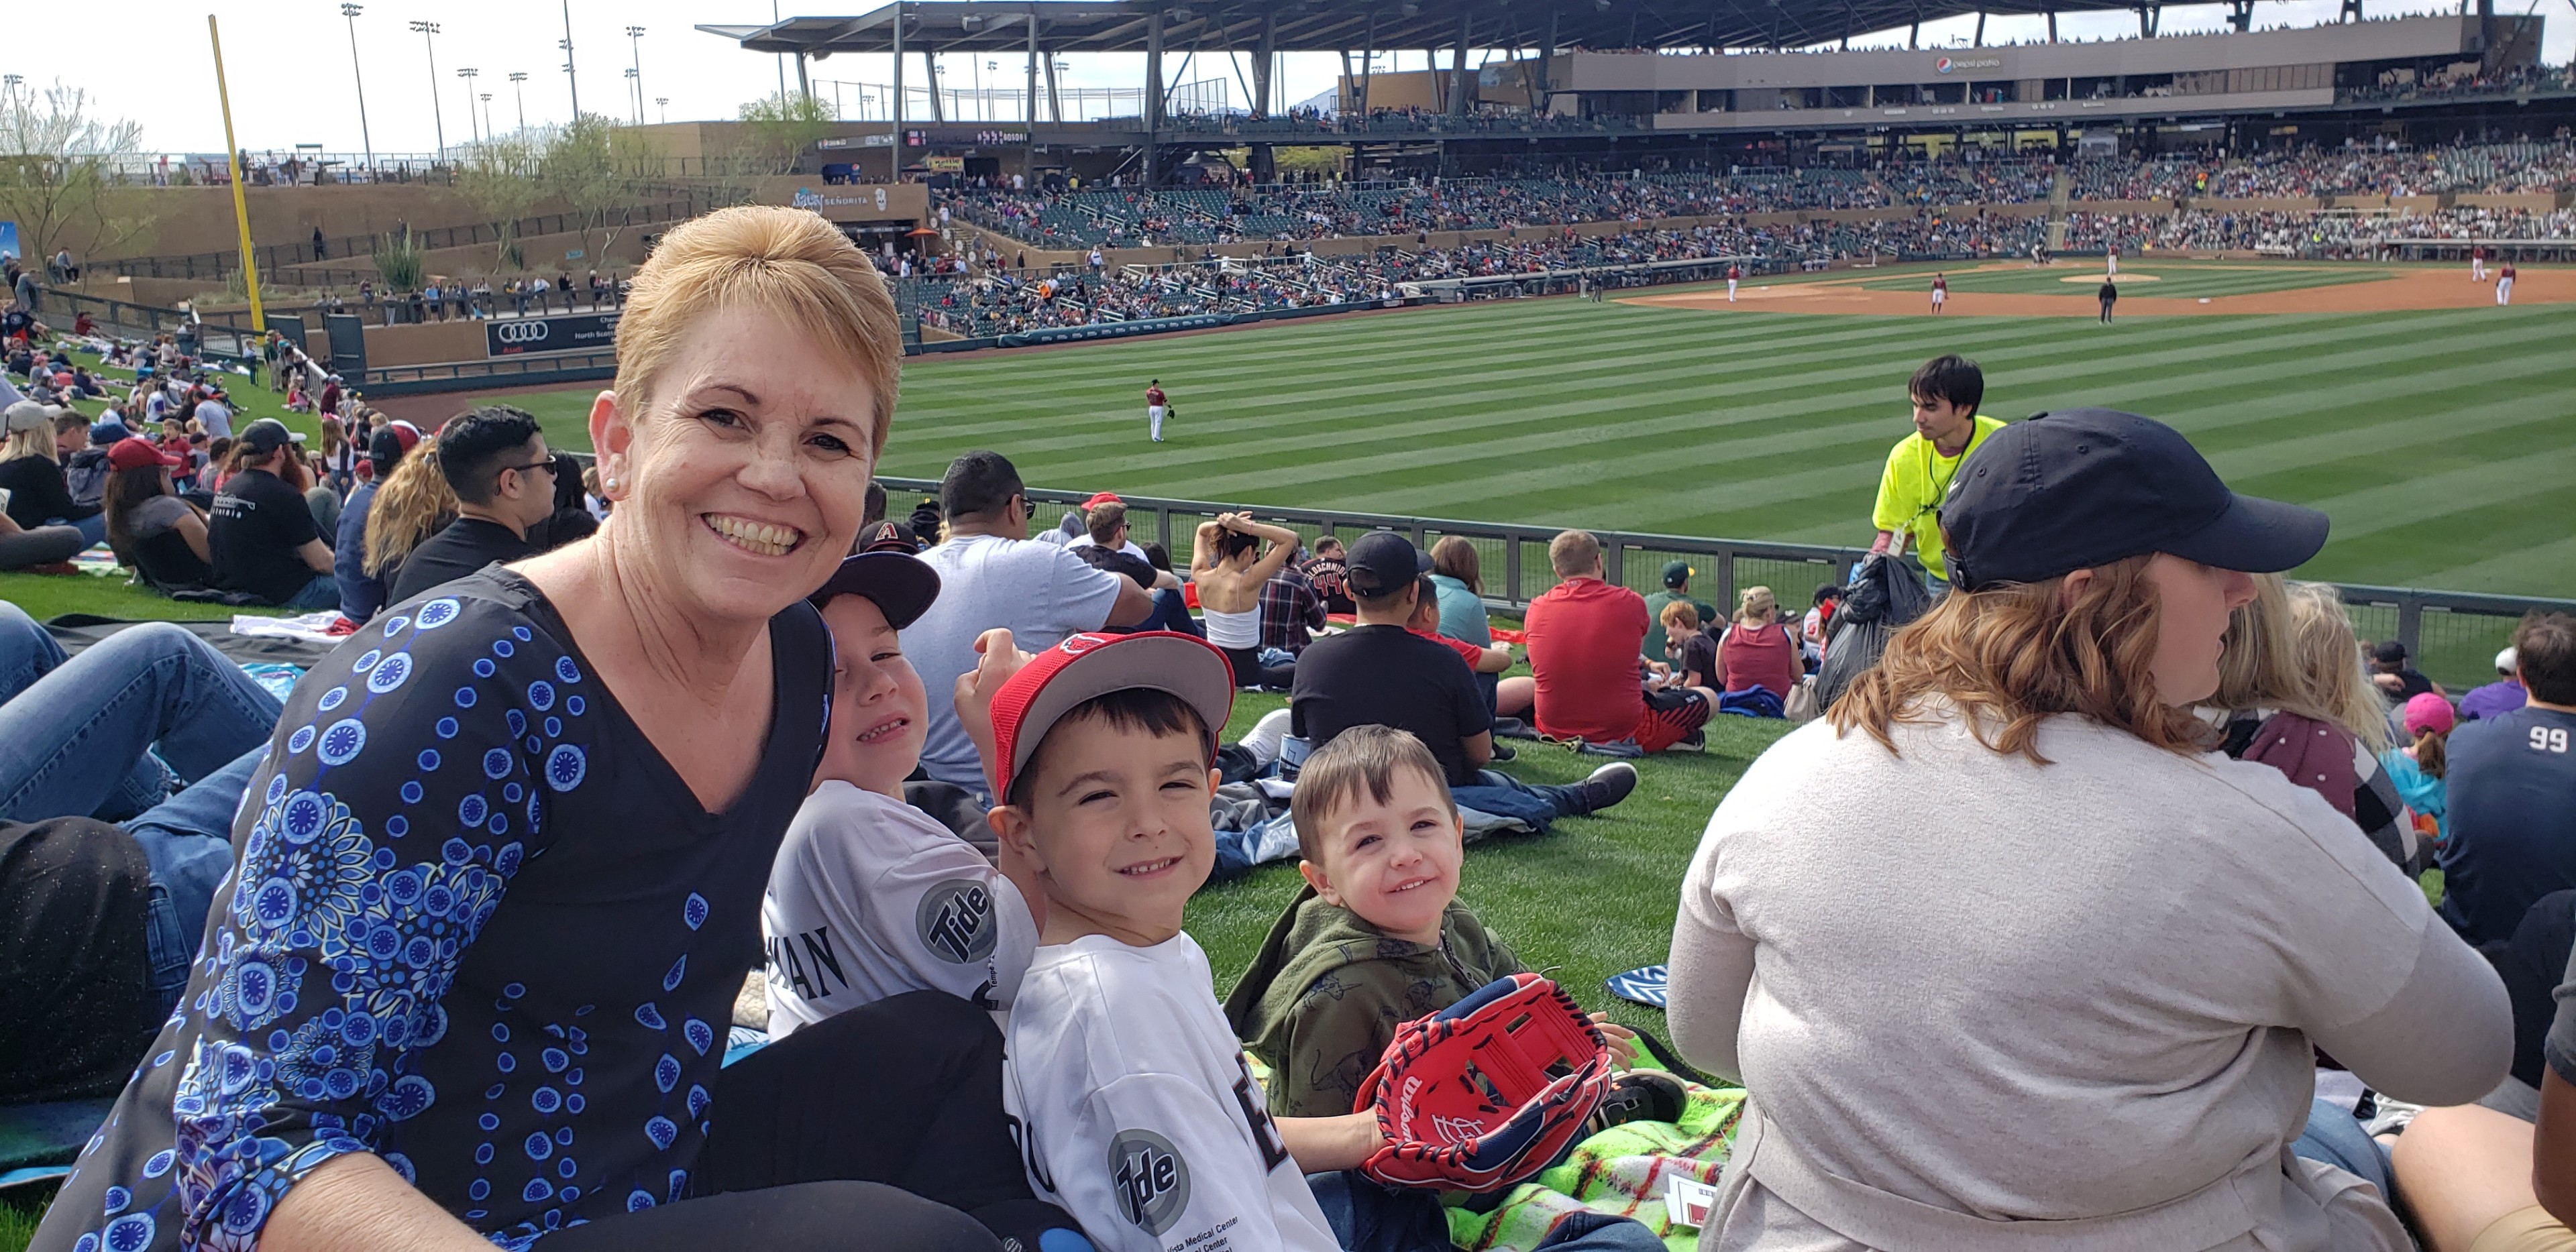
column 572, row 81
column 351, row 12
column 664, row 102
column 518, row 77
column 428, row 33
column 468, row 73
column 635, row 94
column 635, row 43
column 487, row 115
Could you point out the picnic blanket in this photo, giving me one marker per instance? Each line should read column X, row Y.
column 75, row 631
column 1620, row 1171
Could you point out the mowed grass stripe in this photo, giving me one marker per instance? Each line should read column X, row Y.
column 1766, row 425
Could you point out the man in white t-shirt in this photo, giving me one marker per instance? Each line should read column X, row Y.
column 991, row 575
column 869, row 897
column 1126, row 543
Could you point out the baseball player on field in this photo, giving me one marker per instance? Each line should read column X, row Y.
column 1155, row 406
column 2504, row 284
column 1940, row 292
column 2478, row 263
column 1734, row 275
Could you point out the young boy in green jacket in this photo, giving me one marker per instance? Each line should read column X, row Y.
column 1376, row 938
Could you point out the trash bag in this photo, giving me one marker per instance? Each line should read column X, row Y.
column 1885, row 594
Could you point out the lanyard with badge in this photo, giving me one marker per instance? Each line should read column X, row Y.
column 1941, row 489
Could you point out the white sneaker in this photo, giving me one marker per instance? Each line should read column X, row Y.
column 1263, row 739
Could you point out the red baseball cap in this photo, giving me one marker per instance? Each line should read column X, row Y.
column 136, row 454
column 1105, row 497
column 1085, row 667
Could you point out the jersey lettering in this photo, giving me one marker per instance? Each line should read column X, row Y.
column 2549, row 739
column 785, row 966
column 1256, row 1118
column 1029, row 1153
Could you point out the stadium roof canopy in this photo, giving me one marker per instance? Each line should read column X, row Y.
column 1338, row 25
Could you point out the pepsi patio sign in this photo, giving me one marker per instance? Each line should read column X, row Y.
column 523, row 336
column 1947, row 65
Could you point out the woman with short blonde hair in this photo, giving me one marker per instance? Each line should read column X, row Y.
column 500, row 876
column 1756, row 650
column 2005, row 959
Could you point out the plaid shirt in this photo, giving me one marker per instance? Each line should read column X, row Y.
column 1289, row 609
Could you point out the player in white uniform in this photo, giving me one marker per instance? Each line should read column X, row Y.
column 1734, row 275
column 1940, row 291
column 1155, row 406
column 2504, row 284
column 2113, row 257
column 2478, row 264
column 870, row 898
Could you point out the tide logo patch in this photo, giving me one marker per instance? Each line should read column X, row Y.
column 955, row 921
column 1151, row 1179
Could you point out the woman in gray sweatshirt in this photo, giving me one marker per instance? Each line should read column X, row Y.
column 2007, row 959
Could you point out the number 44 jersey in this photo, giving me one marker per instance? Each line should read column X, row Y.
column 1135, row 1113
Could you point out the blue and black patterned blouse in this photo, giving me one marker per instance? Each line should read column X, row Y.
column 476, row 925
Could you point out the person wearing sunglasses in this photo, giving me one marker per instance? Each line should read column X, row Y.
column 494, row 458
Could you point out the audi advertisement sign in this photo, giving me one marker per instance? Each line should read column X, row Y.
column 576, row 332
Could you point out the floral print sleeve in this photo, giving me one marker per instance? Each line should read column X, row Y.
column 407, row 783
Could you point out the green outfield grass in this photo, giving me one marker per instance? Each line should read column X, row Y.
column 2143, row 276
column 2442, row 442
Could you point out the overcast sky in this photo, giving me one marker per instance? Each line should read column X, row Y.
column 289, row 63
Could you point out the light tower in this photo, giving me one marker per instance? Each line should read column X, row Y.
column 468, row 74
column 351, row 12
column 428, row 30
column 635, row 44
column 518, row 77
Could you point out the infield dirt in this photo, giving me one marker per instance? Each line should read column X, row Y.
column 2429, row 287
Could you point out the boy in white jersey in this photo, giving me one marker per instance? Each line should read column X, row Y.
column 870, row 897
column 1133, row 1106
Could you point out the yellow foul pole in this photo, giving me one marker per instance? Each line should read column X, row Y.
column 241, row 206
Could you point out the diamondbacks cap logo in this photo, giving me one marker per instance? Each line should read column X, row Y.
column 1151, row 1179
column 1076, row 645
column 955, row 921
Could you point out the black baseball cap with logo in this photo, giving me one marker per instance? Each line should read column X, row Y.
column 1383, row 562
column 2080, row 488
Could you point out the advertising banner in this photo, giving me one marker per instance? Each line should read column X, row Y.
column 575, row 332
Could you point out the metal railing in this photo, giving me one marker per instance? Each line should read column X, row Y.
column 2453, row 636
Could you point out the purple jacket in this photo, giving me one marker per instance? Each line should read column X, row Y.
column 2492, row 699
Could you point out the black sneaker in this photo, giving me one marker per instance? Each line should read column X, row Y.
column 1640, row 1095
column 1504, row 752
column 1608, row 785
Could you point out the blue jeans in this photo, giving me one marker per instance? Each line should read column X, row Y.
column 2332, row 1136
column 74, row 735
column 321, row 593
column 92, row 527
column 1367, row 1217
column 188, row 840
column 1502, row 795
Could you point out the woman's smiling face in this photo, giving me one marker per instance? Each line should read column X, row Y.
column 742, row 479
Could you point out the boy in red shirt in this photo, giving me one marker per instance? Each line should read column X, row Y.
column 1585, row 637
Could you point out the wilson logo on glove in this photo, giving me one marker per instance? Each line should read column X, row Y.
column 1488, row 1091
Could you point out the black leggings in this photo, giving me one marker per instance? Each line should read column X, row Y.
column 1250, row 672
column 881, row 1127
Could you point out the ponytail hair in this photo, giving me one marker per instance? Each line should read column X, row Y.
column 2432, row 753
column 409, row 507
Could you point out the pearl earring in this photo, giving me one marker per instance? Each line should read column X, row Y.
column 610, row 483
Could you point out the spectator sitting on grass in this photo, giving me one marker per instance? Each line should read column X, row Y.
column 1586, row 644
column 32, row 474
column 362, row 593
column 2416, row 768
column 2025, row 751
column 1090, row 531
column 2513, row 832
column 1229, row 563
column 1691, row 651
column 152, row 531
column 991, row 575
column 410, row 506
column 1677, row 576
column 2400, row 681
column 1488, row 664
column 2291, row 695
column 1376, row 936
column 1757, row 649
column 1456, row 572
column 85, row 471
column 1291, row 612
column 2504, row 695
column 1171, row 606
column 262, row 533
column 494, row 459
column 1330, row 574
column 1380, row 673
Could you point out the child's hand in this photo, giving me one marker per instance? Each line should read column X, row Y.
column 976, row 688
column 1623, row 1041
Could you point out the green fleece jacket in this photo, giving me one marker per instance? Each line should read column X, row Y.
column 1326, row 993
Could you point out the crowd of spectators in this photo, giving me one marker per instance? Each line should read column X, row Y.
column 1135, row 217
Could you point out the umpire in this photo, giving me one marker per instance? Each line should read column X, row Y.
column 2109, row 295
